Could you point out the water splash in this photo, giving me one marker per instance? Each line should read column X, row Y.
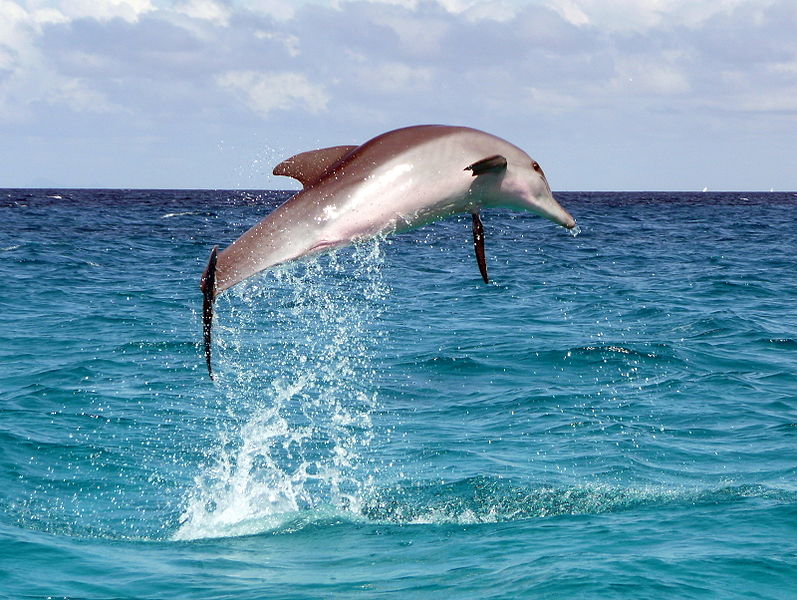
column 297, row 382
column 574, row 231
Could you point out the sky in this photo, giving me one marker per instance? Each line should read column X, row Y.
column 605, row 94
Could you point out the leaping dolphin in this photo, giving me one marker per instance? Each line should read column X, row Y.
column 397, row 181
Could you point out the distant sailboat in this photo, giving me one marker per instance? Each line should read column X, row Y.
column 705, row 189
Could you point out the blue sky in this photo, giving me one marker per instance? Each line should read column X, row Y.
column 605, row 94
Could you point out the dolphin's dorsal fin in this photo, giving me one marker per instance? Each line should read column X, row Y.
column 494, row 163
column 308, row 167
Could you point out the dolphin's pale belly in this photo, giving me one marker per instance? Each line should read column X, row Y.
column 404, row 197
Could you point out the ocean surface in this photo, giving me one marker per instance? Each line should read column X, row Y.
column 614, row 416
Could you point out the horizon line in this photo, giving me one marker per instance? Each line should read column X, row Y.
column 222, row 189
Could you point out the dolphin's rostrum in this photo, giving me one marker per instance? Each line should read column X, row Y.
column 397, row 181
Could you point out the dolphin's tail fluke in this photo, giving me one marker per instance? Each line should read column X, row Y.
column 208, row 286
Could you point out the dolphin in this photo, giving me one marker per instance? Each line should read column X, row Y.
column 395, row 182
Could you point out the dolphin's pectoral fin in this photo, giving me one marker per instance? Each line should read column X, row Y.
column 208, row 286
column 478, row 245
column 493, row 164
column 308, row 167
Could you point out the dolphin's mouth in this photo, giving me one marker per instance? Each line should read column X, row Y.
column 563, row 218
column 325, row 245
column 549, row 208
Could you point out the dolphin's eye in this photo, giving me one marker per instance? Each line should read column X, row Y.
column 536, row 166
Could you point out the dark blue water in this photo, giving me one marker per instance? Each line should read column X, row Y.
column 614, row 417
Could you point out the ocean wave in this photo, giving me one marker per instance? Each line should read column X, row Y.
column 179, row 214
column 486, row 500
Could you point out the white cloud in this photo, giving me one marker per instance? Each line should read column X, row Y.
column 281, row 10
column 419, row 35
column 7, row 59
column 644, row 15
column 788, row 68
column 267, row 92
column 101, row 10
column 408, row 4
column 15, row 24
column 492, row 10
column 395, row 77
column 571, row 11
column 552, row 101
column 205, row 10
column 80, row 97
column 291, row 42
column 19, row 60
column 647, row 75
column 478, row 10
column 776, row 102
column 45, row 16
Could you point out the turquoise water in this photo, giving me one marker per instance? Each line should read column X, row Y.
column 615, row 416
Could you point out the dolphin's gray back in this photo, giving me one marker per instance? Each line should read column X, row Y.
column 360, row 163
